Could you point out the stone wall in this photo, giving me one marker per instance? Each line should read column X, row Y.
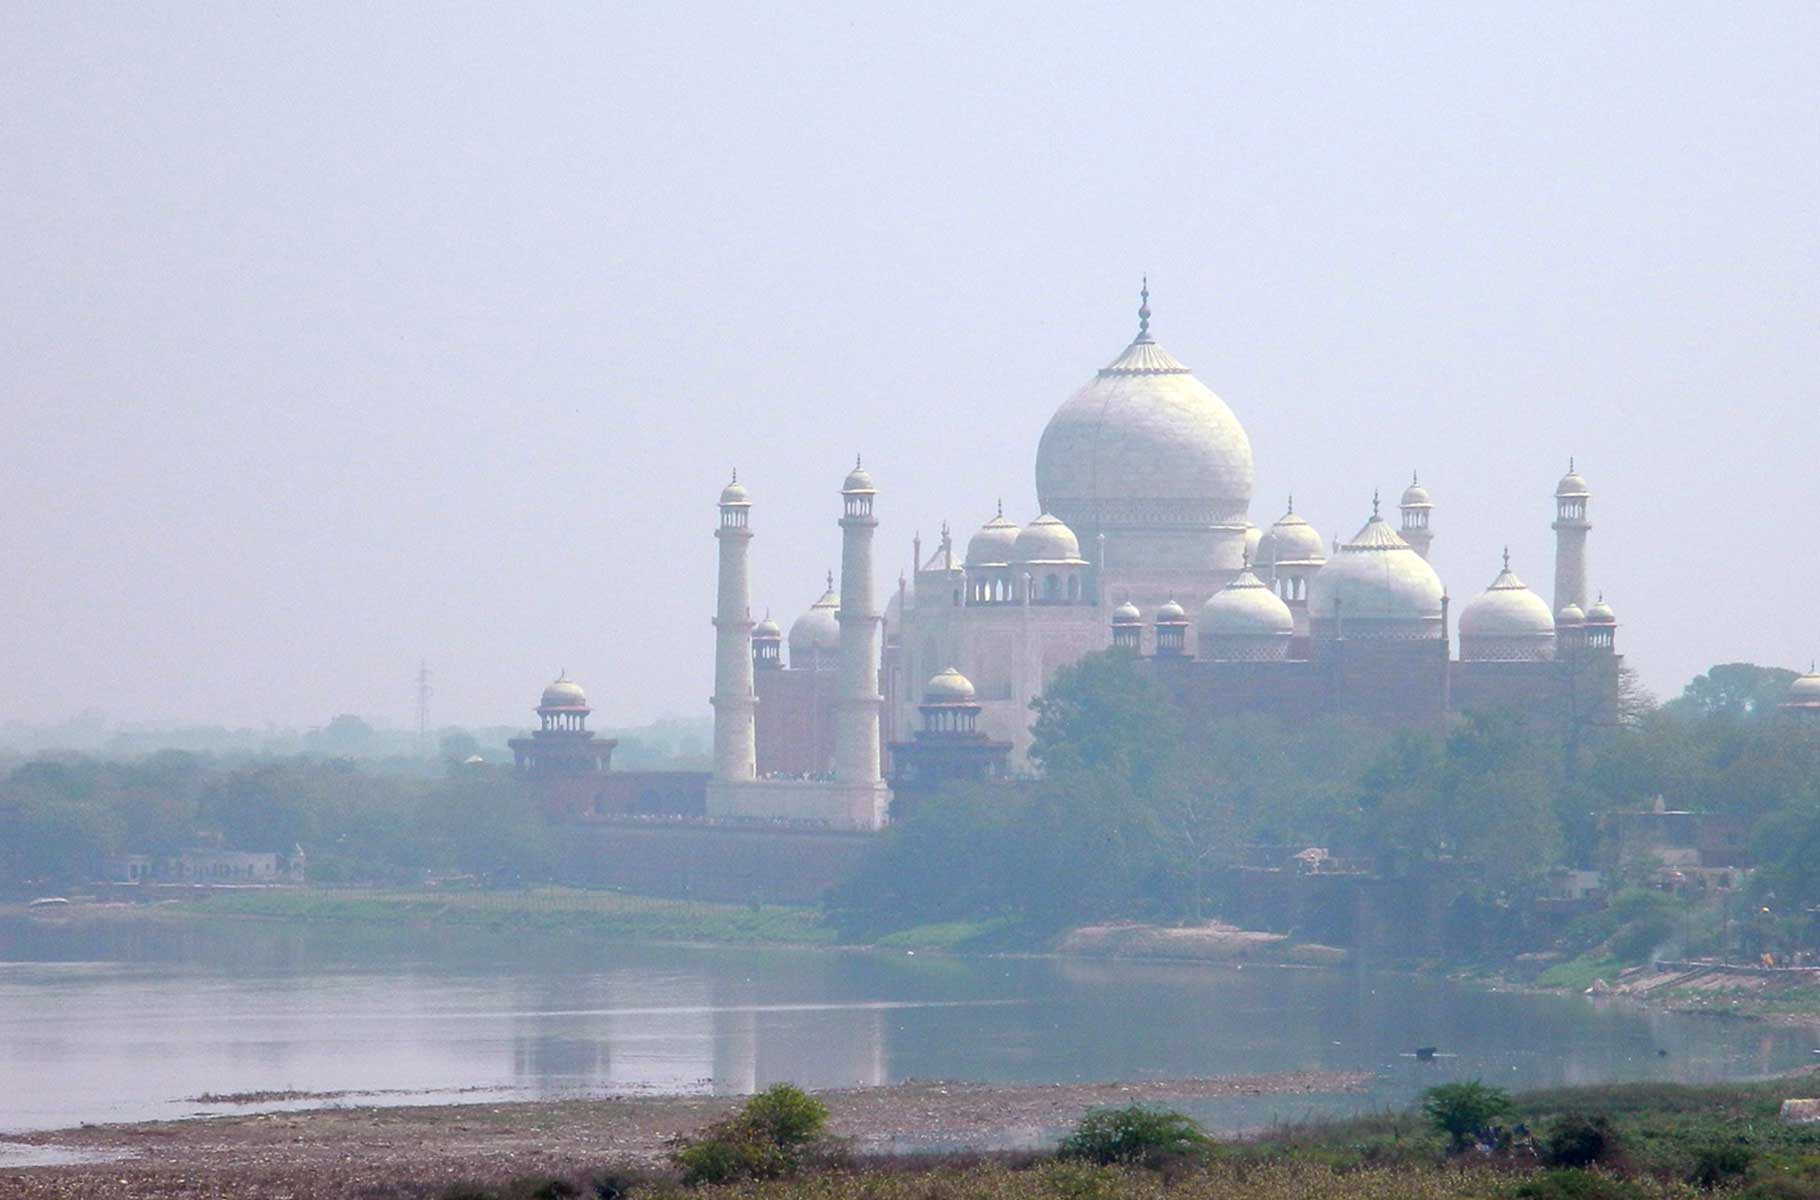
column 719, row 863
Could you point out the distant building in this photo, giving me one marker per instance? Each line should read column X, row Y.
column 948, row 749
column 205, row 865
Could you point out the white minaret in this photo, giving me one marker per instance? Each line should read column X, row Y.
column 1570, row 528
column 1417, row 509
column 735, row 749
column 856, row 730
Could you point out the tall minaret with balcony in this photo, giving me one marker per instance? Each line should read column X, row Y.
column 1571, row 528
column 735, row 745
column 1416, row 508
column 856, row 727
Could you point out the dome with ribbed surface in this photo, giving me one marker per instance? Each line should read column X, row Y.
column 994, row 544
column 1246, row 608
column 734, row 494
column 1046, row 540
column 1127, row 614
column 1144, row 444
column 767, row 628
column 858, row 480
column 1415, row 495
column 1377, row 586
column 816, row 633
column 1507, row 622
column 1570, row 616
column 1601, row 613
column 1571, row 483
column 949, row 687
column 1171, row 614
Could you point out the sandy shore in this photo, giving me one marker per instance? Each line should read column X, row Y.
column 407, row 1152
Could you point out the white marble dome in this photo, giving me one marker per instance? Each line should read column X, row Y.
column 1147, row 445
column 1601, row 613
column 1377, row 586
column 1291, row 540
column 949, row 687
column 563, row 693
column 1570, row 616
column 1244, row 608
column 1507, row 622
column 1046, row 540
column 1171, row 613
column 767, row 628
column 816, row 632
column 734, row 494
column 1571, row 483
column 858, row 479
column 994, row 544
column 1127, row 614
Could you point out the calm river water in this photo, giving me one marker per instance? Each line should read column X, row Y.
column 115, row 1024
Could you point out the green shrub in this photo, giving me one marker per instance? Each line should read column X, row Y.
column 1720, row 1162
column 1460, row 1110
column 1136, row 1136
column 771, row 1136
column 1575, row 1184
column 1579, row 1140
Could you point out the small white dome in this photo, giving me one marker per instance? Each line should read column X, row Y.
column 949, row 687
column 1046, row 540
column 994, row 544
column 1171, row 614
column 1415, row 495
column 564, row 693
column 1569, row 616
column 1377, row 584
column 1601, row 614
column 734, row 494
column 1291, row 540
column 858, row 480
column 816, row 632
column 1127, row 614
column 1571, row 483
column 767, row 628
column 1244, row 608
column 1507, row 622
column 1254, row 537
column 1804, row 692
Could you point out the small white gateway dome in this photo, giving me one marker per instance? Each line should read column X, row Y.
column 1127, row 614
column 1805, row 691
column 949, row 687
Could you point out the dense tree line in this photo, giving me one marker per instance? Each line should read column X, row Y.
column 60, row 817
column 1137, row 813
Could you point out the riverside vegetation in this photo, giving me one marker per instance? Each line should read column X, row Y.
column 1130, row 819
column 1623, row 1142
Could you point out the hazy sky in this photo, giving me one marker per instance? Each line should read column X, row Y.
column 340, row 336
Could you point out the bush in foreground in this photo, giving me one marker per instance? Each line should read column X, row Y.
column 1461, row 1110
column 771, row 1136
column 1136, row 1136
column 1580, row 1140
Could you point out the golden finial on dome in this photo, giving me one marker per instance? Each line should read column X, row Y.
column 1144, row 310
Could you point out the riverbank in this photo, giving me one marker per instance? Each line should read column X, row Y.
column 348, row 1150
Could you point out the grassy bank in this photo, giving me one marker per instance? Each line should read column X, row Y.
column 531, row 911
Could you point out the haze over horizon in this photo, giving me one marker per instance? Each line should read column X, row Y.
column 343, row 337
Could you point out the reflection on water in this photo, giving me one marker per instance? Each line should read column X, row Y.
column 115, row 1024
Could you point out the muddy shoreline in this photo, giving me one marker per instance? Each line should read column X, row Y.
column 350, row 1151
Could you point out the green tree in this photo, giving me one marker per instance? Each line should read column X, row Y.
column 1733, row 690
